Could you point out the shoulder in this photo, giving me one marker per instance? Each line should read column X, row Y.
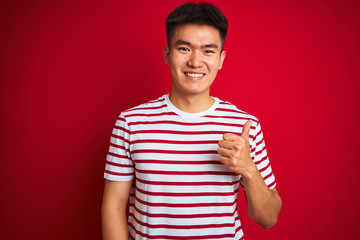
column 144, row 109
column 156, row 103
column 228, row 109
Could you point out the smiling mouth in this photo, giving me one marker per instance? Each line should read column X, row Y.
column 194, row 74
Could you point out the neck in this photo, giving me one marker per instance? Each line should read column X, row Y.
column 191, row 103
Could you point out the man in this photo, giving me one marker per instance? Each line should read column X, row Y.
column 179, row 161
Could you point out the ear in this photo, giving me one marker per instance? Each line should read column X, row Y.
column 166, row 54
column 222, row 58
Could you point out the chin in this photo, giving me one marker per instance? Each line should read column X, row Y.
column 195, row 92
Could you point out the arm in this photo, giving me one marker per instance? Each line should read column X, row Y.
column 113, row 211
column 263, row 204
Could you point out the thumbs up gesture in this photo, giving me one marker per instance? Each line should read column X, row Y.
column 234, row 151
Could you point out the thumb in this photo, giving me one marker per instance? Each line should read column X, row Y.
column 246, row 129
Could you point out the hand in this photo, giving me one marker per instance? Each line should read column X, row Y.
column 234, row 151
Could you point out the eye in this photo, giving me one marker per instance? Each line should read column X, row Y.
column 184, row 49
column 209, row 52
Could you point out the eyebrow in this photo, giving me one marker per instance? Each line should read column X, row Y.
column 182, row 42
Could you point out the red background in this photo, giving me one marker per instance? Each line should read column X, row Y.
column 69, row 67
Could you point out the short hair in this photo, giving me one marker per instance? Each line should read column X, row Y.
column 202, row 13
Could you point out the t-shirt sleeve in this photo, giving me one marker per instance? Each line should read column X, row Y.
column 119, row 166
column 259, row 155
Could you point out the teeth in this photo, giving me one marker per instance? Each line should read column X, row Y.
column 195, row 74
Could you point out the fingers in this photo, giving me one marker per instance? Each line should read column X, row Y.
column 246, row 129
column 232, row 149
column 230, row 137
column 225, row 152
column 224, row 160
column 226, row 144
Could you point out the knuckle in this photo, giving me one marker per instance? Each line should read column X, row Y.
column 237, row 147
column 233, row 155
column 233, row 162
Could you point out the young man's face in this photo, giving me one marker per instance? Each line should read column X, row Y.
column 194, row 58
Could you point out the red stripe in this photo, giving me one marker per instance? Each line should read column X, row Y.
column 173, row 151
column 271, row 184
column 117, row 155
column 174, row 141
column 119, row 174
column 186, row 205
column 267, row 176
column 230, row 110
column 178, row 132
column 264, row 168
column 216, row 162
column 151, row 114
column 143, row 224
column 122, row 129
column 185, row 172
column 120, row 138
column 122, row 119
column 182, row 132
column 238, row 229
column 145, row 108
column 261, row 160
column 187, row 194
column 157, row 100
column 231, row 117
column 260, row 151
column 257, row 144
column 166, row 215
column 224, row 103
column 118, row 147
column 255, row 137
column 185, row 123
column 180, row 237
column 119, row 165
column 187, row 183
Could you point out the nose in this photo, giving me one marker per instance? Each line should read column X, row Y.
column 195, row 59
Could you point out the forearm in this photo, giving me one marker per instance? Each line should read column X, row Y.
column 113, row 211
column 114, row 224
column 263, row 204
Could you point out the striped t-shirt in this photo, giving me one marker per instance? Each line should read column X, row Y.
column 181, row 189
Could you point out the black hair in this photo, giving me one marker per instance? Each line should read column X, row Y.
column 201, row 13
